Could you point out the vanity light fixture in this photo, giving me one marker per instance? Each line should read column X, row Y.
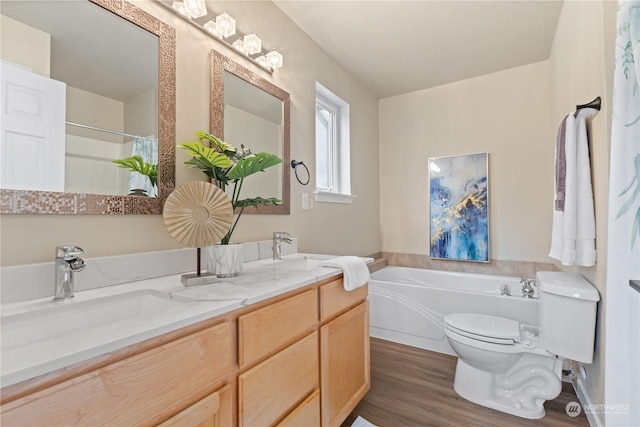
column 211, row 27
column 223, row 29
column 262, row 60
column 179, row 7
column 195, row 8
column 226, row 25
column 274, row 59
column 190, row 8
column 240, row 46
column 252, row 43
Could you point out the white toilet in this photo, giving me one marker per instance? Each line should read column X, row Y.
column 504, row 365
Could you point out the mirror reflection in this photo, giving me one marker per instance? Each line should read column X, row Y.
column 247, row 109
column 253, row 117
column 99, row 76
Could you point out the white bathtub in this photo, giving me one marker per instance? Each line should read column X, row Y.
column 407, row 305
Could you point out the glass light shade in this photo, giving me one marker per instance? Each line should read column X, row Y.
column 274, row 59
column 180, row 7
column 262, row 60
column 195, row 8
column 240, row 46
column 252, row 43
column 211, row 27
column 226, row 25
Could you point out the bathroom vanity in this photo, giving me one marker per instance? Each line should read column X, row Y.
column 297, row 358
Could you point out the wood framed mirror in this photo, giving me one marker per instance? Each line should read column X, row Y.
column 154, row 117
column 248, row 109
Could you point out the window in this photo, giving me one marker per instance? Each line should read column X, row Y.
column 333, row 174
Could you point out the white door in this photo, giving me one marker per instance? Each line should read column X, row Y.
column 32, row 130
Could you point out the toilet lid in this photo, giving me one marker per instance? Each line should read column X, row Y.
column 501, row 330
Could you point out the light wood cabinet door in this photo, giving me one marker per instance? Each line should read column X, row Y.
column 270, row 390
column 307, row 414
column 344, row 364
column 141, row 390
column 214, row 410
column 269, row 329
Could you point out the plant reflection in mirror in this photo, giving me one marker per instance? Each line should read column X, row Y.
column 150, row 170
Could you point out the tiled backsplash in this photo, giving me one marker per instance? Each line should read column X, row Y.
column 495, row 267
column 24, row 282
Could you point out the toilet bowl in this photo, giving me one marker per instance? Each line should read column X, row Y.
column 504, row 365
column 510, row 374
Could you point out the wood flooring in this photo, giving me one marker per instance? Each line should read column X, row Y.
column 414, row 387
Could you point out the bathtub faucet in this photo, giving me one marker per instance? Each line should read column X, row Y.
column 505, row 290
column 527, row 287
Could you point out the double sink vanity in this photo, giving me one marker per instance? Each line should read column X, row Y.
column 281, row 344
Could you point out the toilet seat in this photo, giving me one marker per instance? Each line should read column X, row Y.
column 492, row 329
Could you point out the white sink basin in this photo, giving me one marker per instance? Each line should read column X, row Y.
column 294, row 262
column 59, row 319
column 258, row 280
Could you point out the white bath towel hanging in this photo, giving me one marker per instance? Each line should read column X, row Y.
column 574, row 232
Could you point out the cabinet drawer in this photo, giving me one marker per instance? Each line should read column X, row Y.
column 142, row 389
column 306, row 414
column 214, row 410
column 273, row 388
column 334, row 299
column 269, row 329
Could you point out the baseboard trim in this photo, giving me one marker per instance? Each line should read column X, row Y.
column 585, row 401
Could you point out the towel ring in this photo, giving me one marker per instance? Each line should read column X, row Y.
column 295, row 165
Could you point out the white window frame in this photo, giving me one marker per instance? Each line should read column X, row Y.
column 339, row 190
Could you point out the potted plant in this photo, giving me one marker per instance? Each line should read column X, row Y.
column 227, row 167
column 150, row 170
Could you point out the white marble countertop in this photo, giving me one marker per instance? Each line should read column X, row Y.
column 40, row 336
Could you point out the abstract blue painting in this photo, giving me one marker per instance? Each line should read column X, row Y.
column 458, row 193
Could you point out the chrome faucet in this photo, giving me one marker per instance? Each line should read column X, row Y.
column 278, row 238
column 505, row 290
column 67, row 262
column 527, row 287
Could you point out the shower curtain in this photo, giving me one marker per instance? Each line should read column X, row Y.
column 147, row 148
column 622, row 384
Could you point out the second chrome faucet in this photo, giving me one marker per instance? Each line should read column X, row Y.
column 278, row 238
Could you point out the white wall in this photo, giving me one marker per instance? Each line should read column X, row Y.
column 90, row 109
column 504, row 114
column 581, row 65
column 329, row 228
column 25, row 45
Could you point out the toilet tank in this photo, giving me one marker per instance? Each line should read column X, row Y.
column 567, row 315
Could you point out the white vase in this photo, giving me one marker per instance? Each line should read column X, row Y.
column 223, row 260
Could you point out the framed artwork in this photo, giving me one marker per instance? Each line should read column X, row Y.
column 459, row 211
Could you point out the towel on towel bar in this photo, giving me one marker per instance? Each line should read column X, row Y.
column 574, row 230
column 354, row 269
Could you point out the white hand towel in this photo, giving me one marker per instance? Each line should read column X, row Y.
column 573, row 233
column 562, row 239
column 585, row 247
column 354, row 269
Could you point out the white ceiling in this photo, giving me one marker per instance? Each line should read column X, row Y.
column 397, row 47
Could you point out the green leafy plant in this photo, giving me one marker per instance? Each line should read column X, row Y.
column 137, row 164
column 226, row 165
